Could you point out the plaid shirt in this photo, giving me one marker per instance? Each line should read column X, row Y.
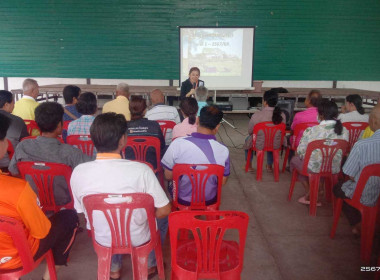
column 81, row 126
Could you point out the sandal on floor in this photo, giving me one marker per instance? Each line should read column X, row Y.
column 303, row 200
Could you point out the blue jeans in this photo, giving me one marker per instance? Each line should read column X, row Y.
column 162, row 225
column 269, row 157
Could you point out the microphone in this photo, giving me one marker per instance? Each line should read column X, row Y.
column 194, row 85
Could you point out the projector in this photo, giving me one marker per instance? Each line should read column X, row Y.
column 224, row 106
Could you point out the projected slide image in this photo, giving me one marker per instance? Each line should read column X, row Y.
column 217, row 52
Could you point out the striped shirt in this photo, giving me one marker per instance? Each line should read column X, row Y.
column 364, row 152
column 81, row 126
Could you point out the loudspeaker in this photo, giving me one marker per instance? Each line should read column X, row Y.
column 287, row 107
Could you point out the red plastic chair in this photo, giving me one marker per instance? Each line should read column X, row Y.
column 32, row 128
column 15, row 230
column 165, row 125
column 377, row 277
column 207, row 255
column 328, row 149
column 270, row 131
column 43, row 174
column 198, row 178
column 369, row 214
column 119, row 219
column 66, row 125
column 295, row 138
column 34, row 137
column 140, row 146
column 82, row 142
column 354, row 130
column 10, row 150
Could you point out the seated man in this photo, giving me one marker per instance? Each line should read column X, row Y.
column 87, row 106
column 201, row 95
column 160, row 111
column 71, row 95
column 24, row 108
column 17, row 129
column 199, row 148
column 111, row 174
column 364, row 152
column 120, row 105
column 18, row 201
column 47, row 148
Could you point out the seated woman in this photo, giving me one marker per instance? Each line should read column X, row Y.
column 87, row 106
column 353, row 110
column 189, row 109
column 140, row 126
column 270, row 113
column 329, row 128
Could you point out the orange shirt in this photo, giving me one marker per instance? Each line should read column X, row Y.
column 19, row 201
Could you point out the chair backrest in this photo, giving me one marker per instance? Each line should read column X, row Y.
column 367, row 172
column 208, row 236
column 15, row 230
column 66, row 125
column 43, row 174
column 198, row 175
column 354, row 130
column 299, row 129
column 118, row 210
column 328, row 149
column 10, row 149
column 165, row 125
column 34, row 137
column 32, row 127
column 140, row 146
column 270, row 130
column 82, row 142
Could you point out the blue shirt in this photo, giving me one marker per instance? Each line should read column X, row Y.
column 364, row 152
column 201, row 104
column 73, row 110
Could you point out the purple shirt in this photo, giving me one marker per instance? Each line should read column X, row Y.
column 197, row 149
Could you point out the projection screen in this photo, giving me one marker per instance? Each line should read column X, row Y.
column 224, row 55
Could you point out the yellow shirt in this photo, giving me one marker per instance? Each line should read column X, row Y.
column 367, row 133
column 120, row 105
column 24, row 108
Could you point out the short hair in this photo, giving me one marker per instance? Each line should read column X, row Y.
column 157, row 96
column 106, row 131
column 29, row 84
column 194, row 69
column 48, row 115
column 69, row 92
column 87, row 104
column 137, row 106
column 5, row 97
column 314, row 97
column 210, row 117
column 124, row 88
column 5, row 122
column 201, row 93
column 189, row 107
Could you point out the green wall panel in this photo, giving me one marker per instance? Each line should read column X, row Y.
column 295, row 40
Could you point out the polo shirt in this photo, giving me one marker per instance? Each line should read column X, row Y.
column 184, row 128
column 353, row 116
column 120, row 105
column 364, row 152
column 44, row 149
column 24, row 108
column 197, row 149
column 111, row 174
column 18, row 201
column 164, row 113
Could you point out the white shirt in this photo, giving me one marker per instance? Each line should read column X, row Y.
column 353, row 116
column 117, row 176
column 27, row 97
column 162, row 112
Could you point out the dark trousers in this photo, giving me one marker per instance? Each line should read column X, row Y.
column 353, row 215
column 60, row 238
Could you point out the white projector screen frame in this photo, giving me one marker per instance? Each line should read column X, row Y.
column 224, row 55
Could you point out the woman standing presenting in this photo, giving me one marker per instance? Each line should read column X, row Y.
column 188, row 87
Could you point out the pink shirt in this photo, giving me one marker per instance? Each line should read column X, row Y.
column 309, row 115
column 184, row 129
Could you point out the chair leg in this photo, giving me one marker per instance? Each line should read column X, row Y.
column 337, row 211
column 292, row 183
column 159, row 258
column 139, row 266
column 367, row 233
column 314, row 186
column 248, row 163
column 260, row 161
column 51, row 265
column 276, row 165
column 285, row 159
column 104, row 265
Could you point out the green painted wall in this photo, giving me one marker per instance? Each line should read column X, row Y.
column 138, row 39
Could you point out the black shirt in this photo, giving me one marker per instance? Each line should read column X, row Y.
column 187, row 86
